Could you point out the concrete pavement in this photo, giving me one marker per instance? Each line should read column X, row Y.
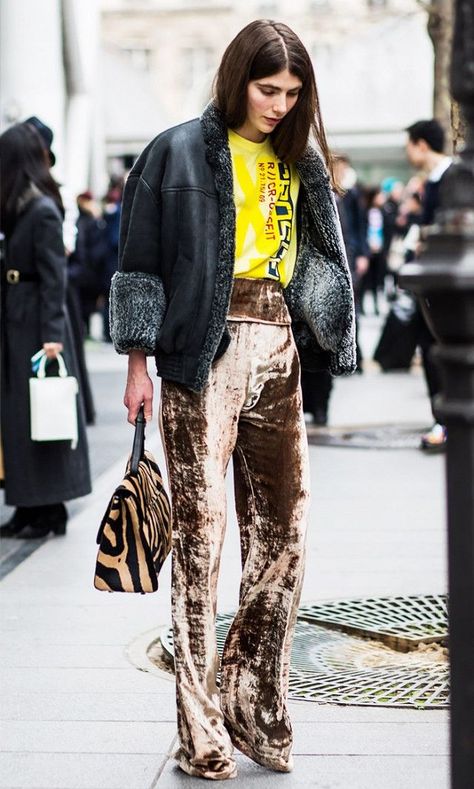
column 79, row 714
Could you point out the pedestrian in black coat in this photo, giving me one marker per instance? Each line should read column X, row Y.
column 39, row 476
column 424, row 150
column 86, row 264
column 73, row 240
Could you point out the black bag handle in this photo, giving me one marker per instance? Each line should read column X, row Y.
column 138, row 441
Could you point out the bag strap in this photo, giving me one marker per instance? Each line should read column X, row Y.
column 138, row 441
column 42, row 366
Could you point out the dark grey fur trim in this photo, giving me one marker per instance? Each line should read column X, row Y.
column 322, row 208
column 214, row 131
column 137, row 308
column 325, row 300
column 320, row 292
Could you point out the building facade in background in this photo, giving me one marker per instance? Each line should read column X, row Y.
column 49, row 68
column 373, row 62
column 108, row 75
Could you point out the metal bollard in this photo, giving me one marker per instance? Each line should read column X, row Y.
column 443, row 278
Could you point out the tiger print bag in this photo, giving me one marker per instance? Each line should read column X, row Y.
column 134, row 537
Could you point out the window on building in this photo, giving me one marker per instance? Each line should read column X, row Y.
column 139, row 57
column 196, row 62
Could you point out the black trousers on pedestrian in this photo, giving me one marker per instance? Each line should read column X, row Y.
column 316, row 389
column 426, row 342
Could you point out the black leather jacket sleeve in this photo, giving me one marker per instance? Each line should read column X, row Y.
column 163, row 294
column 139, row 248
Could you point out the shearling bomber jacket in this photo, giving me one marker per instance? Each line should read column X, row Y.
column 171, row 294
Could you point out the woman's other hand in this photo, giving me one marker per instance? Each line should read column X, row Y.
column 52, row 349
column 139, row 387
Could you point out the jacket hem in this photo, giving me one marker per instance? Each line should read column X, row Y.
column 179, row 368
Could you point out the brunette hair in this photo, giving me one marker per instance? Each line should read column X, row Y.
column 23, row 162
column 261, row 49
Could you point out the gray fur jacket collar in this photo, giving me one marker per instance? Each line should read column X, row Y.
column 192, row 161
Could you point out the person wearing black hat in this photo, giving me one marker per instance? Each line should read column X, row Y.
column 39, row 475
column 46, row 135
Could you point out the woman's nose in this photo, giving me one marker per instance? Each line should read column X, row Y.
column 279, row 106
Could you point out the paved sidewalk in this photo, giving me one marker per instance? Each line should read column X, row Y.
column 78, row 712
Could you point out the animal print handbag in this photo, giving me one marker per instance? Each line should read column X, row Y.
column 134, row 537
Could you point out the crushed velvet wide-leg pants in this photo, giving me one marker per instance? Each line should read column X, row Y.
column 251, row 411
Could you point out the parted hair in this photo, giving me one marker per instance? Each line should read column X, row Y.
column 261, row 49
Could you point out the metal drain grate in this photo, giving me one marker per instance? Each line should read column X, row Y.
column 331, row 666
column 370, row 437
column 401, row 622
column 425, row 688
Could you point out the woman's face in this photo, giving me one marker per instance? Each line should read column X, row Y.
column 268, row 101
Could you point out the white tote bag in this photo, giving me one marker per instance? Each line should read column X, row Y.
column 53, row 405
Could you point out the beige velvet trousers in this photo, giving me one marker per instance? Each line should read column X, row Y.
column 251, row 411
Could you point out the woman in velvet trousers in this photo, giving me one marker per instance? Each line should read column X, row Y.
column 251, row 411
column 230, row 259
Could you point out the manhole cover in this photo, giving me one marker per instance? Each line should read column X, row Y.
column 368, row 437
column 333, row 661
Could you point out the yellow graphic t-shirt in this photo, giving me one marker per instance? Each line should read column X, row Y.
column 265, row 195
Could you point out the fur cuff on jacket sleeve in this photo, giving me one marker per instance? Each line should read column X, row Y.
column 137, row 308
column 328, row 309
column 323, row 299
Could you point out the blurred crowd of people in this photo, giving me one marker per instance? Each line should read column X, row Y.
column 382, row 225
column 93, row 262
column 377, row 223
column 382, row 232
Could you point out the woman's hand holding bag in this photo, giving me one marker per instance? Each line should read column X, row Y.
column 52, row 349
column 135, row 534
column 53, row 403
